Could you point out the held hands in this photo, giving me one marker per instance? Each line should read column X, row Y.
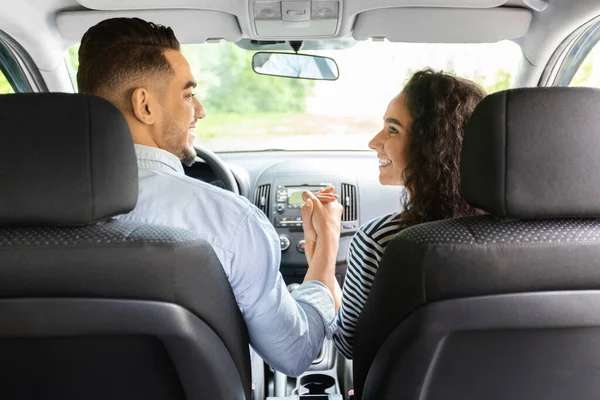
column 321, row 214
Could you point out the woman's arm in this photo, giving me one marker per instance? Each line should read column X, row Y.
column 365, row 252
column 354, row 297
column 321, row 253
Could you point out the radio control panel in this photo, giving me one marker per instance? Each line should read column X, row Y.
column 288, row 202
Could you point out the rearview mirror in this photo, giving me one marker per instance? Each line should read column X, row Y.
column 290, row 65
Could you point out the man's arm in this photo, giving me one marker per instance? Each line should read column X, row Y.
column 286, row 330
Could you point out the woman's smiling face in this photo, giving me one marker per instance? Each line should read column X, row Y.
column 391, row 143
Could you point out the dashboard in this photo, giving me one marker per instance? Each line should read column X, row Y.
column 274, row 181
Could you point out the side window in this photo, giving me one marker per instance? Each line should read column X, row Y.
column 5, row 87
column 588, row 73
column 12, row 76
column 578, row 58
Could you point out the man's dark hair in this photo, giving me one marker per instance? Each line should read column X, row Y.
column 119, row 54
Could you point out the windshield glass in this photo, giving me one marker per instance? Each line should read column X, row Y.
column 248, row 112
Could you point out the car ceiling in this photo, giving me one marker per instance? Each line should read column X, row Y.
column 45, row 28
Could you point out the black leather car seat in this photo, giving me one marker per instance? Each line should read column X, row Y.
column 505, row 305
column 92, row 307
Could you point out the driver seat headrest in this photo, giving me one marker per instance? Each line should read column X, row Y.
column 66, row 160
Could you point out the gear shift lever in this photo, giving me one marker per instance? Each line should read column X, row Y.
column 293, row 286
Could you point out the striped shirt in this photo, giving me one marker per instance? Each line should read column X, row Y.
column 364, row 255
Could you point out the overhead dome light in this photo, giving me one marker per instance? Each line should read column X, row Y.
column 266, row 10
column 266, row 13
column 324, row 9
column 295, row 18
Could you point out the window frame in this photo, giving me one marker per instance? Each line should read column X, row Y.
column 18, row 67
column 570, row 55
column 12, row 72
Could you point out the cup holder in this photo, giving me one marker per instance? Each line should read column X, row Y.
column 318, row 384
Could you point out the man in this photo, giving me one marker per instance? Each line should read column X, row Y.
column 137, row 66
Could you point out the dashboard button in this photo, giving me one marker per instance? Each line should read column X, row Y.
column 300, row 246
column 284, row 242
column 280, row 208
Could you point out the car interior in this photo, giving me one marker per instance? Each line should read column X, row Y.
column 497, row 306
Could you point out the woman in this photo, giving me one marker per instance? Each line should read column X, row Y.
column 418, row 148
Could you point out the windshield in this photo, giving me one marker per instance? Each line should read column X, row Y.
column 249, row 112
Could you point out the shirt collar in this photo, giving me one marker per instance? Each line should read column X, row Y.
column 157, row 158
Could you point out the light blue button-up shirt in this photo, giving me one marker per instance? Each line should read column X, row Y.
column 286, row 330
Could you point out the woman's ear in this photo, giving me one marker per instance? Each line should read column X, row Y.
column 142, row 106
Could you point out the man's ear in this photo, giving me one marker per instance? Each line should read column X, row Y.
column 143, row 106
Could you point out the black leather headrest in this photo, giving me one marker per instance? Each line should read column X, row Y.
column 534, row 153
column 65, row 160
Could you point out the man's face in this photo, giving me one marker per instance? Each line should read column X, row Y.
column 180, row 110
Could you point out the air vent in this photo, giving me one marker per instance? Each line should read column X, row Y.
column 263, row 194
column 348, row 200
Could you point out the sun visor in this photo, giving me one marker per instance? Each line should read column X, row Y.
column 438, row 25
column 352, row 6
column 190, row 26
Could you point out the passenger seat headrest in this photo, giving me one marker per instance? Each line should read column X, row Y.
column 65, row 160
column 534, row 153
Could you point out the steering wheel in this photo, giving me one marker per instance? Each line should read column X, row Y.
column 218, row 167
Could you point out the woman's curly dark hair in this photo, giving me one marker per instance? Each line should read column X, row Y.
column 440, row 105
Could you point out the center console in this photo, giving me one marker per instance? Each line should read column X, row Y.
column 279, row 195
column 319, row 382
column 327, row 378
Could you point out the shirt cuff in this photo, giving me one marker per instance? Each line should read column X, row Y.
column 318, row 296
column 335, row 324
